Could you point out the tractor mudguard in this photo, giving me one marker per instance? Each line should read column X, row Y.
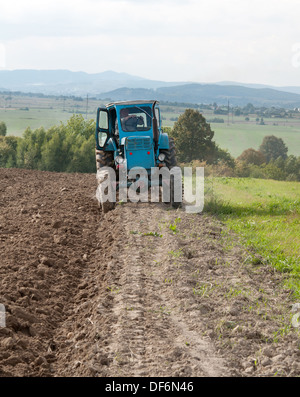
column 163, row 142
column 110, row 145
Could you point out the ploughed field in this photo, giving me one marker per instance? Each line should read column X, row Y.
column 144, row 290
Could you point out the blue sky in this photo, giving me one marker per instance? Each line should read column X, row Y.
column 203, row 41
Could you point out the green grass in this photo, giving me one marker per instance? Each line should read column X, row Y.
column 18, row 120
column 266, row 214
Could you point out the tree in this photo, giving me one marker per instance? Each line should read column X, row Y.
column 249, row 109
column 29, row 149
column 262, row 121
column 8, row 150
column 222, row 156
column 292, row 166
column 273, row 147
column 193, row 137
column 3, row 128
column 57, row 150
column 252, row 156
column 76, row 125
column 5, row 152
column 83, row 159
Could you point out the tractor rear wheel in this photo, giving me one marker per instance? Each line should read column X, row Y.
column 170, row 154
column 171, row 162
column 104, row 159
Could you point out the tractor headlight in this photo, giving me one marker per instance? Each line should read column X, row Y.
column 119, row 160
column 161, row 156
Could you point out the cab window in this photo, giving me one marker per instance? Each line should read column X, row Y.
column 136, row 118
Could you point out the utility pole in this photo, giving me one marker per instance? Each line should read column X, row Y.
column 87, row 105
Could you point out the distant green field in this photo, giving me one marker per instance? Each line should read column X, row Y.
column 266, row 214
column 17, row 120
column 236, row 135
column 20, row 112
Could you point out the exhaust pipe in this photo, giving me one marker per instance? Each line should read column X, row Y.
column 155, row 127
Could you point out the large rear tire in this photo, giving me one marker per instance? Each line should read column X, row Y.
column 104, row 159
column 170, row 154
column 171, row 162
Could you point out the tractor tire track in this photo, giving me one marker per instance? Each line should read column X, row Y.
column 149, row 340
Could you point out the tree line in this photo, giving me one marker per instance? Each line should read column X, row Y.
column 70, row 147
column 195, row 146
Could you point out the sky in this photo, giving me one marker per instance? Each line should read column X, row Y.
column 249, row 41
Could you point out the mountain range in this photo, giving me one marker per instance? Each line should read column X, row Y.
column 122, row 86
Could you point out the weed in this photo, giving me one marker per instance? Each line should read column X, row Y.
column 154, row 234
column 164, row 310
column 202, row 290
column 233, row 292
column 176, row 254
column 114, row 289
column 168, row 281
column 173, row 227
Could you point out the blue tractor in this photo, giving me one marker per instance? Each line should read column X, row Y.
column 129, row 133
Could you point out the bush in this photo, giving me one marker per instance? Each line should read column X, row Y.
column 252, row 156
column 293, row 178
column 3, row 128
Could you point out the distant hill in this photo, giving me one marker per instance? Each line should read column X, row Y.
column 112, row 85
column 209, row 93
column 294, row 90
column 65, row 82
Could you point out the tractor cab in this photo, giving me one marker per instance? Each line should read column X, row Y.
column 131, row 132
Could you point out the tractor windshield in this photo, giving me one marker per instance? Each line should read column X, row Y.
column 136, row 118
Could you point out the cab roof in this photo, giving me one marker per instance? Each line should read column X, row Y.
column 124, row 103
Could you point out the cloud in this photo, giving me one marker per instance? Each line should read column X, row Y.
column 161, row 39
